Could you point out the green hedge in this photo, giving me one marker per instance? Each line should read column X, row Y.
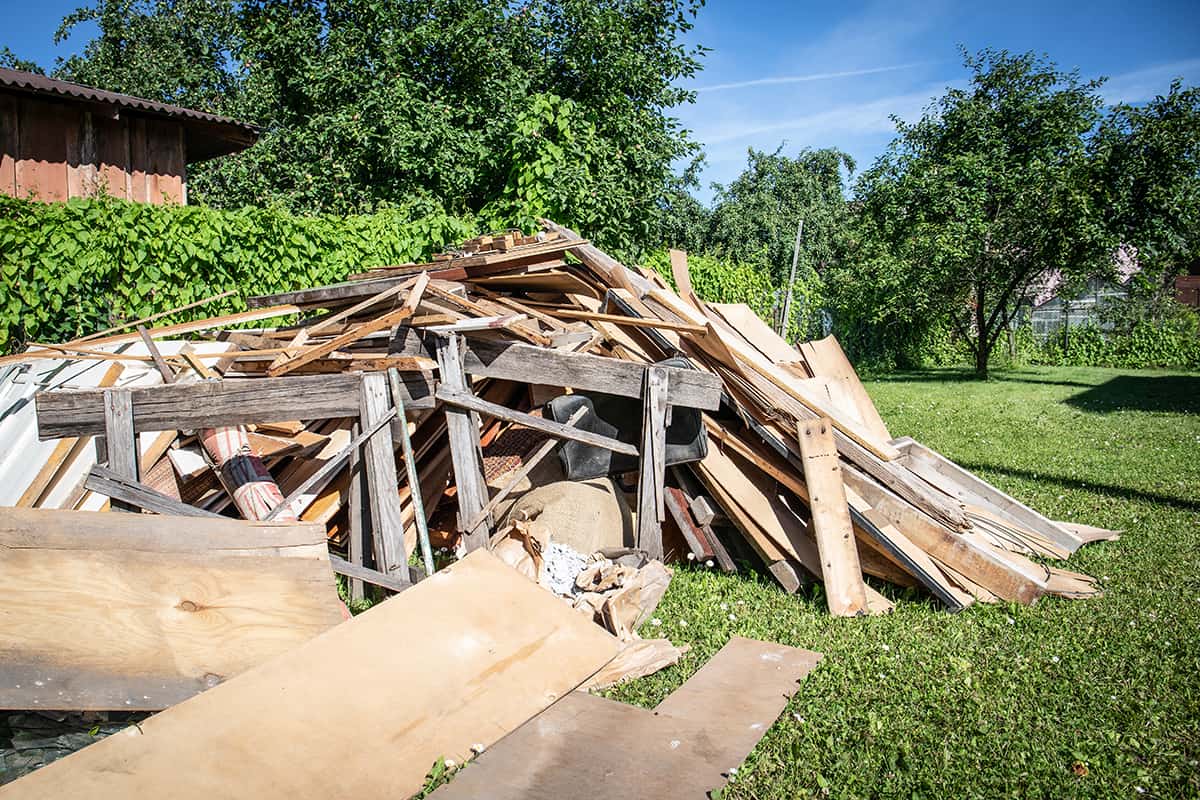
column 68, row 269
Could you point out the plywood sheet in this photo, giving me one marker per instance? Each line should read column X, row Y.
column 138, row 612
column 590, row 747
column 758, row 333
column 363, row 710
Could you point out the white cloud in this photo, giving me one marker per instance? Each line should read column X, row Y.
column 858, row 118
column 819, row 76
column 1144, row 84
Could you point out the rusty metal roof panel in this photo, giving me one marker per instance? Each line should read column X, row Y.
column 238, row 134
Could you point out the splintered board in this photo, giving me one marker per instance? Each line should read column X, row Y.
column 107, row 611
column 364, row 710
column 590, row 747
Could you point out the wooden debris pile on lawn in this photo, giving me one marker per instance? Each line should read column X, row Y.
column 527, row 432
column 525, row 381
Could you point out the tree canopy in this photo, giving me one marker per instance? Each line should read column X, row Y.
column 983, row 200
column 548, row 106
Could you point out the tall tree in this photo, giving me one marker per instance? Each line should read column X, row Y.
column 755, row 216
column 1148, row 169
column 985, row 198
column 472, row 103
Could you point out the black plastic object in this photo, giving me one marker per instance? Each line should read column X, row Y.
column 620, row 418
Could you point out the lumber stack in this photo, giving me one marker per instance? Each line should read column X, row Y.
column 409, row 408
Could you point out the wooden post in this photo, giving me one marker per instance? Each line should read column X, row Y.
column 463, row 429
column 652, row 465
column 120, row 441
column 382, row 484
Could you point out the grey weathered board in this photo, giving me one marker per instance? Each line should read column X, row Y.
column 491, row 358
column 590, row 747
column 138, row 612
column 216, row 403
column 379, row 457
column 110, row 484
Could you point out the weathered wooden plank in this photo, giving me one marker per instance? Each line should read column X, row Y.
column 383, row 677
column 119, row 438
column 470, row 486
column 685, row 387
column 652, row 465
column 190, row 601
column 219, row 403
column 138, row 495
column 845, row 592
column 379, row 456
column 160, row 363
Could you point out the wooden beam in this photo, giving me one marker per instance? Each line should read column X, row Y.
column 841, row 572
column 219, row 403
column 132, row 493
column 685, row 387
column 635, row 322
column 652, row 466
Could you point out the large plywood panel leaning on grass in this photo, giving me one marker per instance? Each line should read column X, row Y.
column 364, row 710
column 138, row 612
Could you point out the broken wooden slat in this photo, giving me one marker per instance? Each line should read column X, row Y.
column 192, row 602
column 137, row 495
column 363, row 574
column 503, row 662
column 389, row 320
column 218, row 403
column 845, row 591
column 160, row 363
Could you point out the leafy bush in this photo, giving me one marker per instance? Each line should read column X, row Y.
column 71, row 268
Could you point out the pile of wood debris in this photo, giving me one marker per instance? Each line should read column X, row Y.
column 517, row 377
column 521, row 400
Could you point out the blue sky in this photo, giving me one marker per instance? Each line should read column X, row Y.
column 823, row 74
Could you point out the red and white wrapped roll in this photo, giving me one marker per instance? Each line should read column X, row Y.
column 243, row 473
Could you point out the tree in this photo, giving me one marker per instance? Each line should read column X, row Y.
column 367, row 103
column 983, row 199
column 1148, row 174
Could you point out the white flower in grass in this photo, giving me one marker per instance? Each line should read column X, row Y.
column 733, row 617
column 1054, row 659
column 656, row 622
column 683, row 623
column 885, row 647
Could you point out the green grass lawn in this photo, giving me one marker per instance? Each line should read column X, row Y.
column 1091, row 698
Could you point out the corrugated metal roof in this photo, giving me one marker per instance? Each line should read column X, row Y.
column 236, row 135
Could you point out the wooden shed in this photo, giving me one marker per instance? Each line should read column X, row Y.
column 60, row 140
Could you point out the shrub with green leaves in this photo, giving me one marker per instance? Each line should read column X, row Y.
column 68, row 269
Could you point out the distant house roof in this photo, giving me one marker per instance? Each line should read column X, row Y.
column 208, row 135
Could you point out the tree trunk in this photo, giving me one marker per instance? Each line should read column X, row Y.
column 982, row 351
column 983, row 339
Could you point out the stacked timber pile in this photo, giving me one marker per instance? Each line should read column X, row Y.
column 528, row 389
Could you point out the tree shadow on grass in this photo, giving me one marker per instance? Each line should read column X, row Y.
column 1179, row 394
column 1119, row 492
column 960, row 375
